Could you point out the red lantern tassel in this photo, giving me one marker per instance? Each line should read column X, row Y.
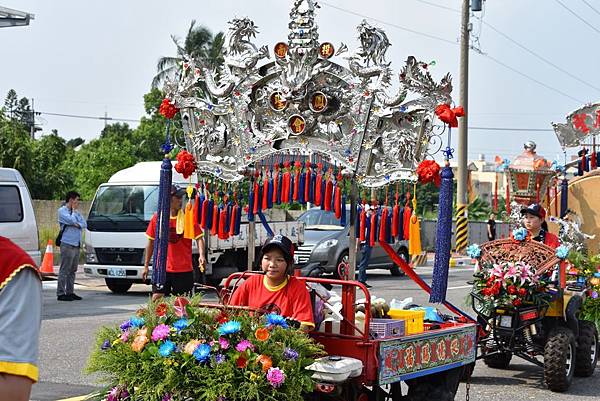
column 337, row 202
column 383, row 224
column 195, row 211
column 363, row 224
column 395, row 220
column 318, row 185
column 307, row 182
column 214, row 230
column 406, row 217
column 556, row 198
column 256, row 194
column 275, row 184
column 508, row 197
column 593, row 162
column 205, row 211
column 298, row 166
column 223, row 234
column 285, row 184
column 232, row 219
column 373, row 229
column 265, row 197
column 328, row 194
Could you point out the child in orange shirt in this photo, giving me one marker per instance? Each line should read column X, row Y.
column 278, row 291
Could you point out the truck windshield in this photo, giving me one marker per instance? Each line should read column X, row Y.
column 123, row 207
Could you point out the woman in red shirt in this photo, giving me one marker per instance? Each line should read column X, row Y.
column 534, row 218
column 277, row 291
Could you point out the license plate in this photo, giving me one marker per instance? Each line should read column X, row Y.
column 116, row 272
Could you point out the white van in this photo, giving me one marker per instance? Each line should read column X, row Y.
column 17, row 220
column 114, row 239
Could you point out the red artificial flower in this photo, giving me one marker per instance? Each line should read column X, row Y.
column 522, row 292
column 161, row 309
column 241, row 362
column 429, row 171
column 486, row 292
column 167, row 109
column 517, row 302
column 186, row 164
column 222, row 317
column 449, row 115
column 512, row 289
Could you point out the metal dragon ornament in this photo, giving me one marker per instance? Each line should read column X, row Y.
column 302, row 102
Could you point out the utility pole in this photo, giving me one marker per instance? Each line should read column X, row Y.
column 462, row 227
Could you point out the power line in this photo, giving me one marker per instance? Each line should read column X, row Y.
column 538, row 56
column 577, row 16
column 105, row 118
column 590, row 6
column 454, row 43
column 499, row 32
column 512, row 129
column 388, row 23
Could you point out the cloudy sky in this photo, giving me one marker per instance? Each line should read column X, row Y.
column 89, row 58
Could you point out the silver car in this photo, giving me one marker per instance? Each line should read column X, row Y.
column 326, row 243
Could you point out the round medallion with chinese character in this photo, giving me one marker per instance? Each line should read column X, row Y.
column 296, row 124
column 326, row 50
column 280, row 50
column 277, row 101
column 318, row 102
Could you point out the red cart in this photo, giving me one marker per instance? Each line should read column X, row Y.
column 431, row 363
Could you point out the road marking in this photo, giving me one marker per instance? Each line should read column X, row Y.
column 49, row 285
column 80, row 398
column 460, row 287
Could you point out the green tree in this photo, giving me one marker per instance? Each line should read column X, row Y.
column 117, row 131
column 97, row 160
column 15, row 146
column 11, row 102
column 74, row 142
column 479, row 210
column 199, row 43
column 50, row 179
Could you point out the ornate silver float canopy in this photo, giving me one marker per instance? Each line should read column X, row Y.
column 304, row 103
column 580, row 123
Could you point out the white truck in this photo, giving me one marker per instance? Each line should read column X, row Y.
column 121, row 210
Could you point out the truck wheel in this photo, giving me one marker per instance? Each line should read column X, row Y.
column 559, row 359
column 587, row 349
column 118, row 286
column 395, row 270
column 499, row 360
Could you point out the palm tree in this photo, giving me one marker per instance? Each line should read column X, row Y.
column 199, row 43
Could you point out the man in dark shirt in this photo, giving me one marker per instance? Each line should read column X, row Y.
column 491, row 227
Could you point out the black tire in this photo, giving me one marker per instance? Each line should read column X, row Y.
column 118, row 286
column 499, row 360
column 395, row 270
column 559, row 359
column 587, row 349
column 344, row 256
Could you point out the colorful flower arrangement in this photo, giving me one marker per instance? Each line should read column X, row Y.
column 510, row 284
column 175, row 349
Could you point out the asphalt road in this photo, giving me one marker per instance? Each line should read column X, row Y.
column 68, row 330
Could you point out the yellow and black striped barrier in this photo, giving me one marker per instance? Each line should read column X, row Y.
column 419, row 260
column 462, row 228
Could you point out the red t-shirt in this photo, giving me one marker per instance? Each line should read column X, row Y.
column 290, row 299
column 179, row 250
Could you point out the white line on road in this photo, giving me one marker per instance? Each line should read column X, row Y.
column 460, row 287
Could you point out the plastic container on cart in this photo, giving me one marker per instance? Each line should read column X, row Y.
column 386, row 328
column 335, row 369
column 413, row 319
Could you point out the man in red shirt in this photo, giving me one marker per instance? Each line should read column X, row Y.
column 278, row 291
column 180, row 270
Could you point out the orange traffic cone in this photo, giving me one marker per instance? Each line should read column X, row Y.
column 47, row 267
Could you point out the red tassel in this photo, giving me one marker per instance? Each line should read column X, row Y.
column 363, row 224
column 265, row 198
column 373, row 229
column 406, row 221
column 285, row 184
column 307, row 182
column 383, row 224
column 556, row 198
column 593, row 162
column 205, row 211
column 318, row 186
column 337, row 202
column 232, row 221
column 508, row 197
column 196, row 207
column 297, row 180
column 328, row 194
column 256, row 197
column 215, row 223
column 275, row 185
column 223, row 234
column 395, row 220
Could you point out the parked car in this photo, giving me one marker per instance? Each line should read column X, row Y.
column 326, row 243
column 17, row 220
